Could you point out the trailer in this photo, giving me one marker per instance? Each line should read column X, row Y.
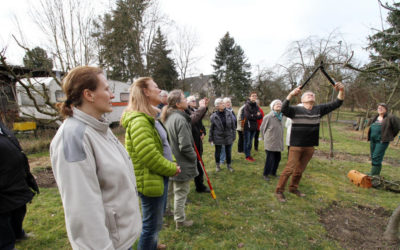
column 49, row 85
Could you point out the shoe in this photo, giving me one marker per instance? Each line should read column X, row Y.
column 25, row 237
column 161, row 246
column 203, row 190
column 186, row 223
column 280, row 197
column 265, row 177
column 250, row 159
column 298, row 193
column 230, row 168
column 217, row 168
column 276, row 175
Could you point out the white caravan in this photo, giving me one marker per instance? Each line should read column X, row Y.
column 28, row 110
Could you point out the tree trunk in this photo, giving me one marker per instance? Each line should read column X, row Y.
column 392, row 228
column 362, row 125
column 330, row 130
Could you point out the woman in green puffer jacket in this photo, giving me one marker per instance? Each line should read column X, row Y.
column 147, row 144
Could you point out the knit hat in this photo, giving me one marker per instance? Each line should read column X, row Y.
column 273, row 103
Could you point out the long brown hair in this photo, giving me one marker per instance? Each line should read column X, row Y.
column 138, row 101
column 75, row 82
column 174, row 97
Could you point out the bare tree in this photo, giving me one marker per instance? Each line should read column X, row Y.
column 67, row 24
column 36, row 91
column 185, row 44
column 305, row 55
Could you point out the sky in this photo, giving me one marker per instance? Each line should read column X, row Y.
column 263, row 28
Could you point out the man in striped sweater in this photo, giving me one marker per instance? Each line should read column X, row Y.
column 304, row 136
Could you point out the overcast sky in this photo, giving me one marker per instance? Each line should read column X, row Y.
column 263, row 28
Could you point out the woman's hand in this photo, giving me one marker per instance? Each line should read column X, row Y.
column 178, row 170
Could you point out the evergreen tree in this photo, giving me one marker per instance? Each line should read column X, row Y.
column 119, row 37
column 231, row 75
column 37, row 59
column 385, row 56
column 160, row 66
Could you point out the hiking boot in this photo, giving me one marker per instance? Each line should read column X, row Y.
column 217, row 168
column 298, row 193
column 280, row 197
column 186, row 223
column 161, row 246
column 203, row 190
column 230, row 168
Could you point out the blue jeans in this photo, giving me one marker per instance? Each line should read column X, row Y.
column 248, row 139
column 222, row 157
column 228, row 153
column 153, row 211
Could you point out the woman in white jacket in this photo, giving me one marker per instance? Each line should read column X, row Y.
column 92, row 169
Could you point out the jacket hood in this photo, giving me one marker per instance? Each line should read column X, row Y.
column 128, row 116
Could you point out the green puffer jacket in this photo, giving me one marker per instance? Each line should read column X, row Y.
column 144, row 146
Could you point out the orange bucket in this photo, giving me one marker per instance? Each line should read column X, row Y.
column 359, row 179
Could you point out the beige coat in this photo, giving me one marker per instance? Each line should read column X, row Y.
column 272, row 133
column 97, row 185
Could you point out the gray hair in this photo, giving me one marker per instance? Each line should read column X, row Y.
column 218, row 101
column 227, row 99
column 304, row 94
column 191, row 98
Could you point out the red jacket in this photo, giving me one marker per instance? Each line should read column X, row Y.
column 259, row 121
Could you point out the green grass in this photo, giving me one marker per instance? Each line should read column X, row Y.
column 248, row 212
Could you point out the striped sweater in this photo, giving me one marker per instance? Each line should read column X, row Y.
column 305, row 123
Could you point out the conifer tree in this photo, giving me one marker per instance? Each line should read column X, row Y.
column 160, row 66
column 231, row 75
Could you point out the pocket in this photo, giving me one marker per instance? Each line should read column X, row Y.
column 112, row 223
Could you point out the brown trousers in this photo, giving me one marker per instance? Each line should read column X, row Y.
column 295, row 166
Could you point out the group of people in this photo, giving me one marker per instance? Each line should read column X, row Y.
column 163, row 139
column 101, row 181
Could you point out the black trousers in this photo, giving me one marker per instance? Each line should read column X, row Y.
column 198, row 180
column 240, row 142
column 271, row 162
column 11, row 227
column 228, row 153
column 256, row 140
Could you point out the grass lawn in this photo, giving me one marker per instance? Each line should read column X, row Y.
column 247, row 214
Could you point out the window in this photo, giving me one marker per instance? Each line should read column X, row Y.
column 124, row 97
column 60, row 96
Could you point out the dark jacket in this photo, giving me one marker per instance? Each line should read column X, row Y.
column 15, row 175
column 198, row 129
column 250, row 115
column 220, row 134
column 305, row 123
column 390, row 127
